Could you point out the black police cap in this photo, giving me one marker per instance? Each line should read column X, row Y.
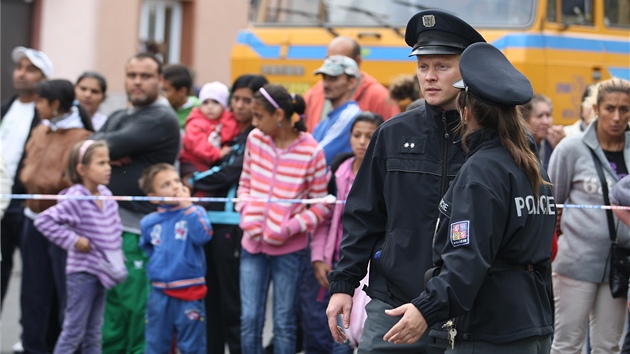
column 490, row 77
column 438, row 32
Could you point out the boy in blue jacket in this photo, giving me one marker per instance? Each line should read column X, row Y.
column 173, row 238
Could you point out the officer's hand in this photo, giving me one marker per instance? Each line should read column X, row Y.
column 410, row 327
column 321, row 270
column 339, row 304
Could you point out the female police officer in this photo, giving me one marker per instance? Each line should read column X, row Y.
column 493, row 244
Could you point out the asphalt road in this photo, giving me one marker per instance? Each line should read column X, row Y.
column 10, row 328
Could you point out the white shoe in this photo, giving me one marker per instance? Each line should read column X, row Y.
column 17, row 347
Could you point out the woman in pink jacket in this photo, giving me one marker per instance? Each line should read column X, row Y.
column 326, row 240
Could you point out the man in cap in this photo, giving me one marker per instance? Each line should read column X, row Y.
column 340, row 75
column 392, row 210
column 18, row 118
column 369, row 94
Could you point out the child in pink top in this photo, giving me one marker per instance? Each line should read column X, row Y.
column 208, row 130
column 326, row 241
column 281, row 161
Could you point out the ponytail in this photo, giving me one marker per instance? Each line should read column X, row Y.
column 85, row 118
column 510, row 126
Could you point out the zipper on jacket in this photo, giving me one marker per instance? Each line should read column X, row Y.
column 269, row 196
column 445, row 157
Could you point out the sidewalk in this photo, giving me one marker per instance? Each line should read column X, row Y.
column 10, row 328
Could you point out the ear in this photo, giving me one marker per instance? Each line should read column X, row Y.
column 467, row 114
column 55, row 104
column 278, row 114
column 80, row 169
column 353, row 81
column 595, row 109
column 183, row 91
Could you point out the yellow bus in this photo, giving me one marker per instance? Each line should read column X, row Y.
column 560, row 45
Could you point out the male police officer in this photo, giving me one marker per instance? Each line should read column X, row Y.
column 391, row 212
column 497, row 219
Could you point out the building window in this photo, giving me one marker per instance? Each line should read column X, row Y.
column 161, row 29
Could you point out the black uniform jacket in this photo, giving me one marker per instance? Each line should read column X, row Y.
column 391, row 212
column 494, row 247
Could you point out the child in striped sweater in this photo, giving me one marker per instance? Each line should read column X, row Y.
column 281, row 161
column 90, row 230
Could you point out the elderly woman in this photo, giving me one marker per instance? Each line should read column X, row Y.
column 580, row 277
column 537, row 115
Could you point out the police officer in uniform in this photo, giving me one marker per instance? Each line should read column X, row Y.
column 391, row 212
column 493, row 245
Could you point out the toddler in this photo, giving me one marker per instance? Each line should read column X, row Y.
column 173, row 238
column 208, row 130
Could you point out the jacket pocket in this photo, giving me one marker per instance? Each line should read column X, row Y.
column 251, row 224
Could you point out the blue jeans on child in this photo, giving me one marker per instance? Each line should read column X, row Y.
column 167, row 316
column 83, row 316
column 257, row 271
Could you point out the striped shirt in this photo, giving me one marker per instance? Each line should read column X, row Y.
column 64, row 222
column 297, row 172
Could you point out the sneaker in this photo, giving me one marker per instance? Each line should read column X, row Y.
column 17, row 348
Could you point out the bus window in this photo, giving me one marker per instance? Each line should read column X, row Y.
column 572, row 12
column 578, row 11
column 617, row 13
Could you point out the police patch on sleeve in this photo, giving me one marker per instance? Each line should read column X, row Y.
column 460, row 235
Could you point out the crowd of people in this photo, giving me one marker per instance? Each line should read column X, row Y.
column 444, row 243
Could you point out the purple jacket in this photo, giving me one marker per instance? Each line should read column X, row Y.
column 64, row 222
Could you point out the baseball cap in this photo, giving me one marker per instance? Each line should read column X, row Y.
column 39, row 59
column 336, row 65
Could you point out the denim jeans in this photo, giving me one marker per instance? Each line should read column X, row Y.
column 257, row 271
column 313, row 300
column 83, row 316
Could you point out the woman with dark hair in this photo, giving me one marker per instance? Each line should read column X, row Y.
column 492, row 248
column 281, row 161
column 91, row 91
column 223, row 303
column 580, row 271
column 43, row 263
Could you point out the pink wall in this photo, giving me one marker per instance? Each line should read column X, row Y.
column 101, row 35
column 216, row 26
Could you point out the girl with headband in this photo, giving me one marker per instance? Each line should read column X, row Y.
column 89, row 230
column 281, row 161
